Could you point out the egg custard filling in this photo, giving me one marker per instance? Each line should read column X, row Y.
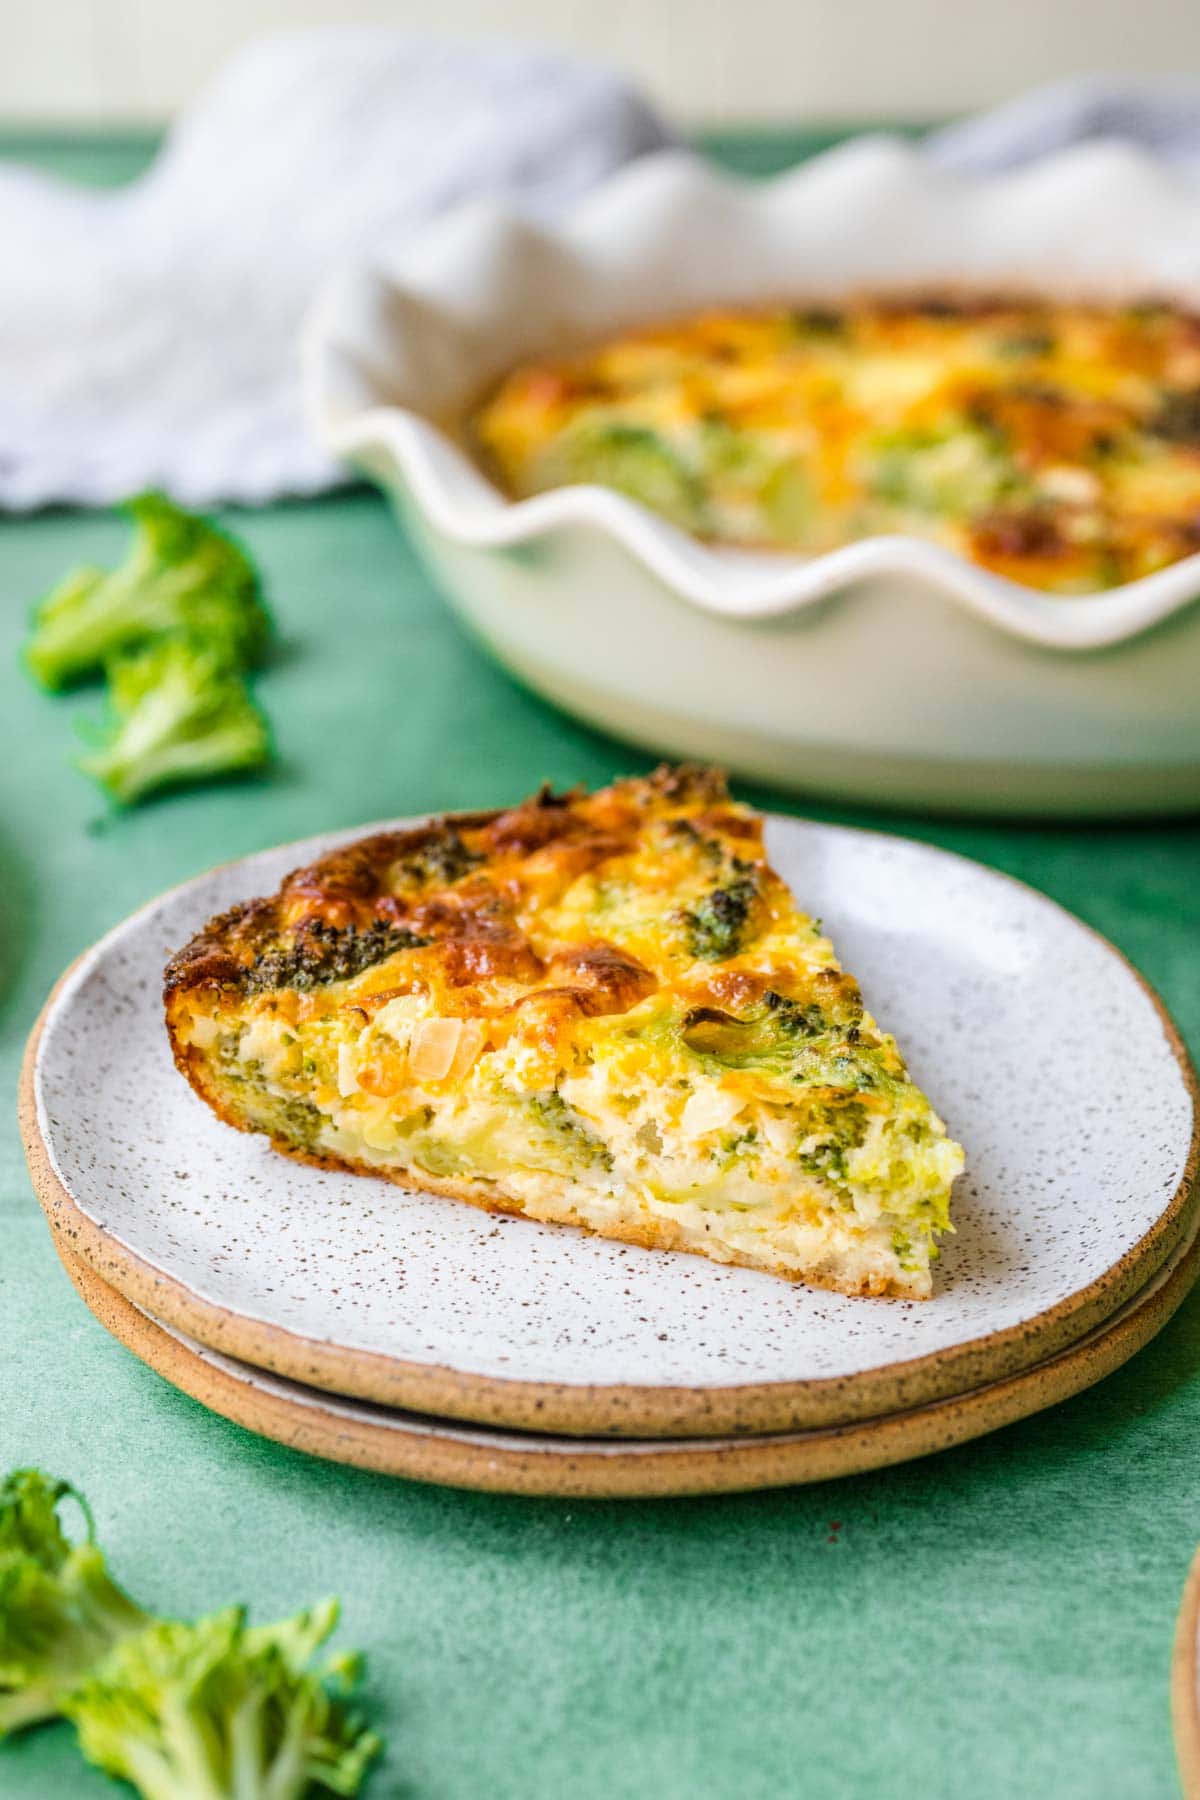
column 599, row 1010
column 1057, row 444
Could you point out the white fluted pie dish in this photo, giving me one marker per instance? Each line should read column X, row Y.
column 890, row 670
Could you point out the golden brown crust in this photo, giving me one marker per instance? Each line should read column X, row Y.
column 440, row 879
column 450, row 884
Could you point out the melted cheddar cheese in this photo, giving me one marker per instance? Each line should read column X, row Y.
column 1058, row 445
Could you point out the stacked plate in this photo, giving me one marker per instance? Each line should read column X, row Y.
column 407, row 1333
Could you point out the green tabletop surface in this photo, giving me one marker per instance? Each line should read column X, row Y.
column 992, row 1621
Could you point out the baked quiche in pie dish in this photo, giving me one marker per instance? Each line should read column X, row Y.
column 600, row 1010
column 1056, row 444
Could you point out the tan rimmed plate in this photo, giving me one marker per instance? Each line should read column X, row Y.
column 1050, row 1058
column 1185, row 1685
column 451, row 1454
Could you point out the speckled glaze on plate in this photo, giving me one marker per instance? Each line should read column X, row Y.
column 451, row 1454
column 1185, row 1685
column 1049, row 1057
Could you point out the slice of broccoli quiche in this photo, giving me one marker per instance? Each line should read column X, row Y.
column 601, row 1010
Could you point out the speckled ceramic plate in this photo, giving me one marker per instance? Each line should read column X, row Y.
column 1049, row 1057
column 1185, row 1685
column 443, row 1451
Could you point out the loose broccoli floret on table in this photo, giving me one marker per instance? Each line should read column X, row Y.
column 215, row 1710
column 181, row 712
column 218, row 1710
column 181, row 574
column 60, row 1610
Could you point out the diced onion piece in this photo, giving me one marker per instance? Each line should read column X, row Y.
column 469, row 1046
column 710, row 1109
column 434, row 1047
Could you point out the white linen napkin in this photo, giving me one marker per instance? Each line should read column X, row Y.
column 1162, row 115
column 148, row 335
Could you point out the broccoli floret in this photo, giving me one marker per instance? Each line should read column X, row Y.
column 182, row 713
column 60, row 1610
column 841, row 1129
column 907, row 1255
column 181, row 574
column 765, row 1037
column 719, row 924
column 442, row 858
column 805, row 1042
column 827, row 1161
column 634, row 460
column 952, row 471
column 793, row 1020
column 564, row 1125
column 217, row 1710
column 221, row 1711
column 322, row 953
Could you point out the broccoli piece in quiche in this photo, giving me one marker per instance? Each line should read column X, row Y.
column 564, row 1126
column 443, row 858
column 765, row 1037
column 181, row 575
column 815, row 1044
column 720, row 924
column 951, row 471
column 771, row 491
column 181, row 712
column 60, row 1610
column 635, row 461
column 321, row 953
column 218, row 1710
